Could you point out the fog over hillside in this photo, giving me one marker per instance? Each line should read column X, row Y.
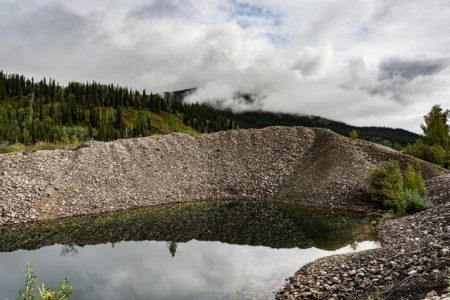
column 365, row 62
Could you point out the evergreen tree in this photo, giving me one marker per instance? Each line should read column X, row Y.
column 435, row 129
column 386, row 187
column 413, row 180
column 353, row 134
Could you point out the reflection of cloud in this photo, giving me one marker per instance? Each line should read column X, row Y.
column 139, row 270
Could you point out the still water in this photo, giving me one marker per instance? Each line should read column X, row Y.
column 217, row 250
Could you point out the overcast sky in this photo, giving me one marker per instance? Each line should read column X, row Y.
column 365, row 62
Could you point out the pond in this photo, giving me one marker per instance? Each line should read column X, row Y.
column 202, row 250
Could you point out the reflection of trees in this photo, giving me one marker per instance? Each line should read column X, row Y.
column 68, row 250
column 172, row 248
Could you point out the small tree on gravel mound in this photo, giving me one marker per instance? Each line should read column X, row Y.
column 386, row 187
column 415, row 190
column 414, row 180
column 389, row 189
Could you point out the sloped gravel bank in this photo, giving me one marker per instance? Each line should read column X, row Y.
column 309, row 166
column 413, row 261
column 314, row 167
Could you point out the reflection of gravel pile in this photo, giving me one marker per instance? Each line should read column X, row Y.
column 414, row 260
column 311, row 166
column 275, row 225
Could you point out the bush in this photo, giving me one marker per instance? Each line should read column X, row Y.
column 386, row 187
column 415, row 190
column 353, row 134
column 432, row 153
column 43, row 292
column 414, row 180
column 415, row 202
column 389, row 189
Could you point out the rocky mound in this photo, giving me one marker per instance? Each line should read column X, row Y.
column 311, row 166
column 413, row 261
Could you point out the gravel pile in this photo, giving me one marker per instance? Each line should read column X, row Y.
column 414, row 260
column 309, row 166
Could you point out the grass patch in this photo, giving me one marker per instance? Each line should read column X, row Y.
column 6, row 148
column 21, row 148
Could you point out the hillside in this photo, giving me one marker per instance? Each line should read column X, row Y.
column 295, row 164
column 394, row 138
column 44, row 111
column 47, row 112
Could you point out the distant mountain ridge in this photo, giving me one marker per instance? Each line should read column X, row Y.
column 392, row 137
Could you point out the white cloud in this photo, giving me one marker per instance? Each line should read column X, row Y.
column 365, row 62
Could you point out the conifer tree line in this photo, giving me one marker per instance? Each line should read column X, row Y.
column 47, row 111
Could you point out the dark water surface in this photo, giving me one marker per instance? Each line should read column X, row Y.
column 206, row 250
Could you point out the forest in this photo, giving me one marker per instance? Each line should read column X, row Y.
column 46, row 112
column 394, row 138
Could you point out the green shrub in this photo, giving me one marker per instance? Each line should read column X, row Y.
column 389, row 189
column 43, row 292
column 432, row 153
column 415, row 202
column 386, row 187
column 415, row 190
column 353, row 134
column 413, row 180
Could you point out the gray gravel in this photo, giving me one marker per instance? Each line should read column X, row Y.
column 308, row 166
column 412, row 263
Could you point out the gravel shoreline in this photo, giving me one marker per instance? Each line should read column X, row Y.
column 412, row 263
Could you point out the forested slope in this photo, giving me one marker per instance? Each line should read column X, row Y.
column 45, row 111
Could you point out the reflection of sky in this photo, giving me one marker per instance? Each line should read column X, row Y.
column 146, row 270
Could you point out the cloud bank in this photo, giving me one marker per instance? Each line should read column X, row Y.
column 366, row 62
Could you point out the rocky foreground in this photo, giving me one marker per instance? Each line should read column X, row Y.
column 310, row 166
column 412, row 263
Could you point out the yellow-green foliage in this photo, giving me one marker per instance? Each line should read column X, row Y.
column 168, row 123
column 386, row 186
column 413, row 179
column 163, row 123
column 43, row 292
column 353, row 134
column 5, row 148
column 432, row 153
column 415, row 190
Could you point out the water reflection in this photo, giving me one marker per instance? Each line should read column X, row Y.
column 194, row 251
column 172, row 248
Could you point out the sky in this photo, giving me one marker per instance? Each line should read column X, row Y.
column 364, row 62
